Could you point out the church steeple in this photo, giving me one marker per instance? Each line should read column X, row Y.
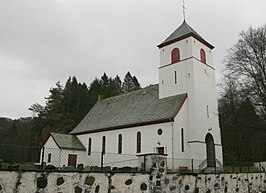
column 183, row 56
column 186, row 66
column 182, row 32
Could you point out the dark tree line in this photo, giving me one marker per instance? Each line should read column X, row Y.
column 242, row 106
column 64, row 108
column 243, row 130
column 67, row 105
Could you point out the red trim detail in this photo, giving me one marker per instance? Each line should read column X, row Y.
column 55, row 141
column 180, row 107
column 183, row 168
column 50, row 135
column 46, row 139
column 186, row 36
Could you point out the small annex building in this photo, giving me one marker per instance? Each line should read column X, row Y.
column 178, row 117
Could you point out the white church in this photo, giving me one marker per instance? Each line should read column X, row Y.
column 177, row 118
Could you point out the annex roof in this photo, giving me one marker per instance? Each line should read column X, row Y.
column 182, row 32
column 137, row 108
column 66, row 141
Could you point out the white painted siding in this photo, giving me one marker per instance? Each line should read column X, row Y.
column 149, row 139
column 198, row 81
column 59, row 157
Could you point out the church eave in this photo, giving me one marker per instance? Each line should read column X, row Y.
column 180, row 107
column 184, row 37
column 165, row 120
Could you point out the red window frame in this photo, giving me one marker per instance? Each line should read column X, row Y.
column 175, row 55
column 202, row 56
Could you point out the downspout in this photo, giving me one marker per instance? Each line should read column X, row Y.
column 172, row 129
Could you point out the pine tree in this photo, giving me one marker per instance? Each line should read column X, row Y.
column 136, row 83
column 130, row 83
column 118, row 84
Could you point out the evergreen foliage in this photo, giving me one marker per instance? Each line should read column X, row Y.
column 64, row 108
column 130, row 83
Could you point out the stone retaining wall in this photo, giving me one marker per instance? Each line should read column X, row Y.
column 63, row 182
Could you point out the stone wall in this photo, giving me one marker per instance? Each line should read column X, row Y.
column 63, row 182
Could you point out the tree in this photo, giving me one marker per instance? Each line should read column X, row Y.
column 136, row 83
column 36, row 109
column 118, row 84
column 242, row 130
column 64, row 108
column 247, row 61
column 130, row 83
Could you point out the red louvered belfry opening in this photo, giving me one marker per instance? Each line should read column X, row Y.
column 202, row 56
column 175, row 55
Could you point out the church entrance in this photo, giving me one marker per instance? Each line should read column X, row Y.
column 210, row 150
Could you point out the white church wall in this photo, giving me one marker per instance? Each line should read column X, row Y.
column 185, row 51
column 197, row 46
column 59, row 157
column 180, row 157
column 203, row 96
column 198, row 81
column 180, row 122
column 219, row 152
column 206, row 102
column 149, row 139
column 168, row 85
column 51, row 148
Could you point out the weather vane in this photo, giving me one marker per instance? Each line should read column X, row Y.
column 184, row 10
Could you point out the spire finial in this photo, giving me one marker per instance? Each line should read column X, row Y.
column 184, row 10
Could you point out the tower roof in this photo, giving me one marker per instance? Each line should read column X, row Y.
column 182, row 32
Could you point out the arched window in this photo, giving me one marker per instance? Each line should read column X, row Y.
column 119, row 144
column 202, row 56
column 89, row 146
column 175, row 55
column 103, row 144
column 138, row 142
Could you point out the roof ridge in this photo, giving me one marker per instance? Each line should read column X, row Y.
column 128, row 93
column 182, row 32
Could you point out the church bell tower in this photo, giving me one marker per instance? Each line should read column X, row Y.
column 186, row 66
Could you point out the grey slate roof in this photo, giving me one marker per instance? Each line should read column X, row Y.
column 183, row 31
column 65, row 141
column 140, row 107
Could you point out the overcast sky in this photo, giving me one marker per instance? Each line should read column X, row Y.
column 45, row 41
